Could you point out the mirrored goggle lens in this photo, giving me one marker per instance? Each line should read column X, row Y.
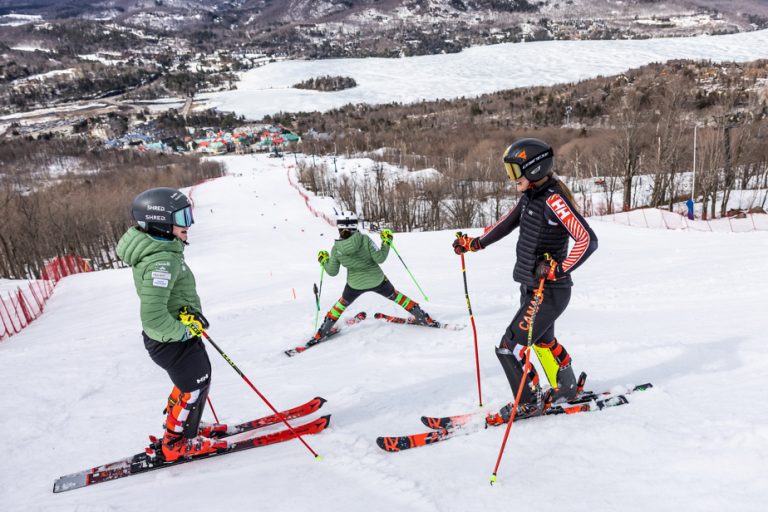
column 183, row 217
column 513, row 171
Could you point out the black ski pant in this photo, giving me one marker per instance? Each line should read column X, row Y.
column 186, row 362
column 349, row 295
column 385, row 289
column 512, row 346
column 189, row 368
column 554, row 303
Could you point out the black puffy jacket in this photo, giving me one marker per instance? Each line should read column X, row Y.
column 547, row 219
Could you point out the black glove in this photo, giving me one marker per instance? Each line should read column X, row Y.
column 548, row 269
column 464, row 243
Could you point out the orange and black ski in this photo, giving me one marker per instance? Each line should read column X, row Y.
column 412, row 321
column 451, row 426
column 312, row 341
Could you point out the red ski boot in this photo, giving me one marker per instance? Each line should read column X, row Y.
column 176, row 446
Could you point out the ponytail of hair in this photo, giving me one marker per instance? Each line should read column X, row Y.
column 567, row 192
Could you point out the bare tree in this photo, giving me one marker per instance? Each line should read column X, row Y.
column 627, row 143
column 711, row 155
column 463, row 207
column 434, row 193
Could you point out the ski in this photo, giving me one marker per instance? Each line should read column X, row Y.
column 289, row 414
column 583, row 397
column 142, row 462
column 468, row 423
column 412, row 321
column 312, row 342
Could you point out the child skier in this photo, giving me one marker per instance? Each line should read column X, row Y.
column 171, row 315
column 547, row 217
column 362, row 258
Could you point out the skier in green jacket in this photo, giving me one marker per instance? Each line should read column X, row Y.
column 359, row 254
column 171, row 314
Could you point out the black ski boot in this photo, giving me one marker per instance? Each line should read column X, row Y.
column 531, row 399
column 567, row 387
column 543, row 402
column 326, row 329
column 421, row 317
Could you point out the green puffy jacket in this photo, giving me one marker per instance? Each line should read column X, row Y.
column 361, row 257
column 163, row 281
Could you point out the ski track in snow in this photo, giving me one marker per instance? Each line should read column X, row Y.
column 679, row 309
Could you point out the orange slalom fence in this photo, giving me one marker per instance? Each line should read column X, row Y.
column 21, row 307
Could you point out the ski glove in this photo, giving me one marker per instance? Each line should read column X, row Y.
column 548, row 269
column 387, row 236
column 464, row 243
column 195, row 322
column 323, row 257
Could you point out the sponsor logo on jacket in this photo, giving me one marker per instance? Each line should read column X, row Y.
column 559, row 206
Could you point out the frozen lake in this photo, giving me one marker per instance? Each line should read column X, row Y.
column 475, row 71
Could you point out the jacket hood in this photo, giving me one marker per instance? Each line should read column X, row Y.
column 136, row 245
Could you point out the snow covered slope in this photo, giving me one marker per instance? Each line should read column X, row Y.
column 680, row 309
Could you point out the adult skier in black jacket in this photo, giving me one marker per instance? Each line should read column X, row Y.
column 547, row 218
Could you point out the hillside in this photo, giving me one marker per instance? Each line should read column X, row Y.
column 647, row 307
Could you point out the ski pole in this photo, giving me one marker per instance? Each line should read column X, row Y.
column 474, row 329
column 538, row 295
column 210, row 404
column 317, row 303
column 317, row 294
column 409, row 271
column 279, row 415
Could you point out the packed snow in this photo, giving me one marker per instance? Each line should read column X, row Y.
column 477, row 70
column 15, row 20
column 30, row 47
column 676, row 308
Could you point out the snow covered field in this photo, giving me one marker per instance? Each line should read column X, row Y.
column 474, row 71
column 679, row 309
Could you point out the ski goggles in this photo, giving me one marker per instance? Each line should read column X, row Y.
column 350, row 224
column 183, row 218
column 514, row 171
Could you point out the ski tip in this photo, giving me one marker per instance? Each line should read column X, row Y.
column 362, row 315
column 320, row 399
column 378, row 315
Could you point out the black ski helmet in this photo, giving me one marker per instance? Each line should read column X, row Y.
column 532, row 158
column 157, row 210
